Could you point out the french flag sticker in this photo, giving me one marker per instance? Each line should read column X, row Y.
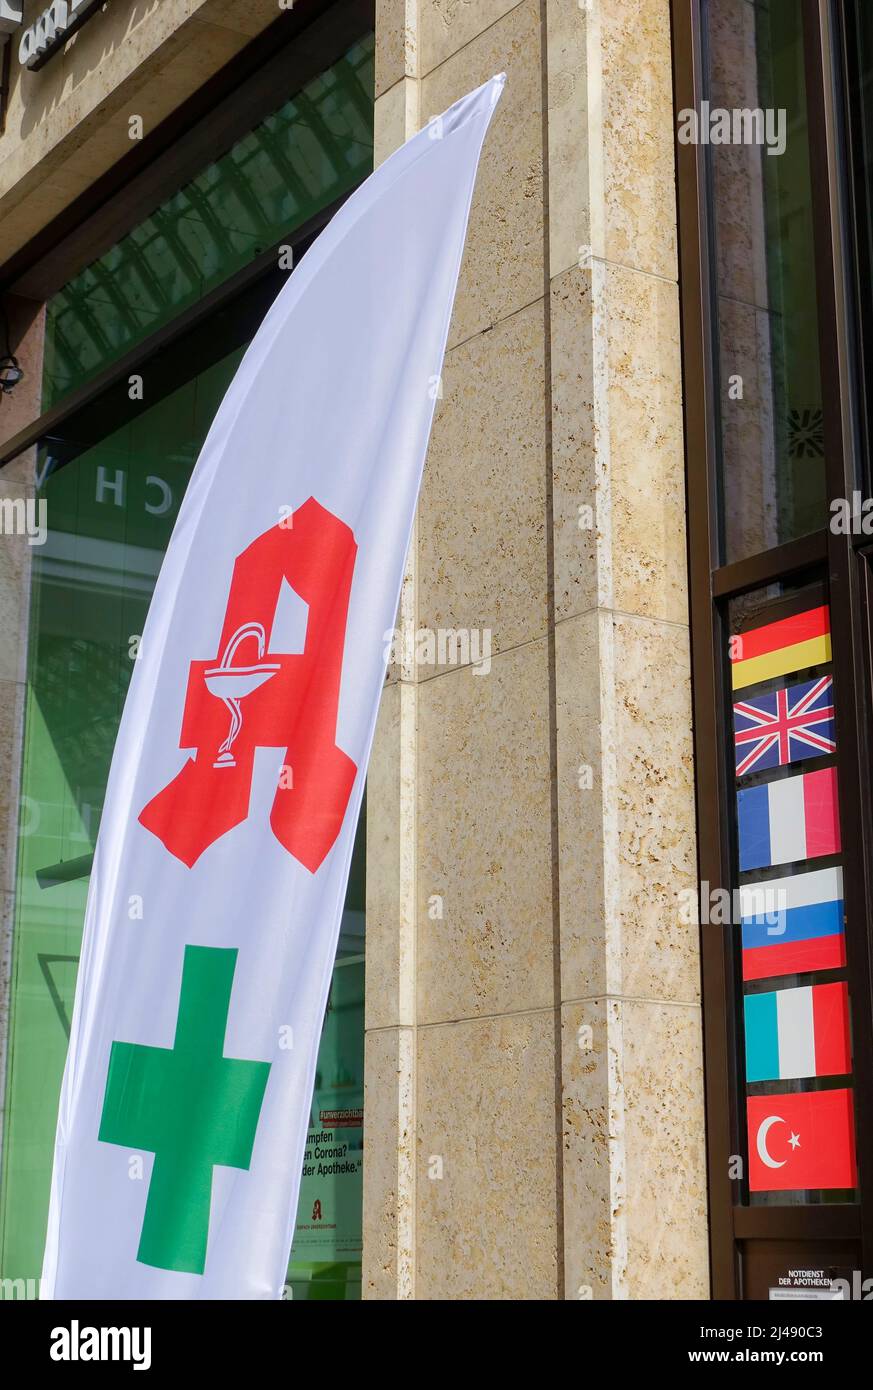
column 788, row 821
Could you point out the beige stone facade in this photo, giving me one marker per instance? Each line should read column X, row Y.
column 535, row 1122
column 534, row 1083
column 69, row 122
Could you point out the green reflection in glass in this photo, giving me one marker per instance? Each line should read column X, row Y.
column 316, row 147
column 326, row 1254
column 110, row 514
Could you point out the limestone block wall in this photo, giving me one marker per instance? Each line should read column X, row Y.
column 534, row 1103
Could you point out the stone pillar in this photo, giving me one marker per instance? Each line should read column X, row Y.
column 633, row 1132
column 390, row 1014
column 534, row 1114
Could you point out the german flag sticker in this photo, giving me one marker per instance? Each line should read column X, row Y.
column 792, row 644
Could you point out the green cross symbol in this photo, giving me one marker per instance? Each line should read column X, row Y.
column 190, row 1106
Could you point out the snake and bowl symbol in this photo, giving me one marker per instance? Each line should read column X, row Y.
column 232, row 683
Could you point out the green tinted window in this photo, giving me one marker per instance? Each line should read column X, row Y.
column 309, row 152
column 110, row 515
column 113, row 492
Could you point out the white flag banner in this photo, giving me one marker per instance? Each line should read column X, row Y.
column 221, row 864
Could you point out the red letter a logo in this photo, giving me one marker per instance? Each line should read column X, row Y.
column 250, row 697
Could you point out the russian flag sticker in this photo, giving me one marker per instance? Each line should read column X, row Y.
column 792, row 925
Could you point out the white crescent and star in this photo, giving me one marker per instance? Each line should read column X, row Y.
column 763, row 1130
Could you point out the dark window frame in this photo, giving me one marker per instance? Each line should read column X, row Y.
column 843, row 561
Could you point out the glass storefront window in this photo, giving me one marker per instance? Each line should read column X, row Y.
column 858, row 40
column 772, row 466
column 793, row 1026
column 110, row 512
column 113, row 477
column 780, row 622
column 315, row 148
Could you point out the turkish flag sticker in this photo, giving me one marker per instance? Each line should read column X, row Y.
column 804, row 1140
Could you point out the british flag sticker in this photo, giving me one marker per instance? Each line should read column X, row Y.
column 784, row 726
